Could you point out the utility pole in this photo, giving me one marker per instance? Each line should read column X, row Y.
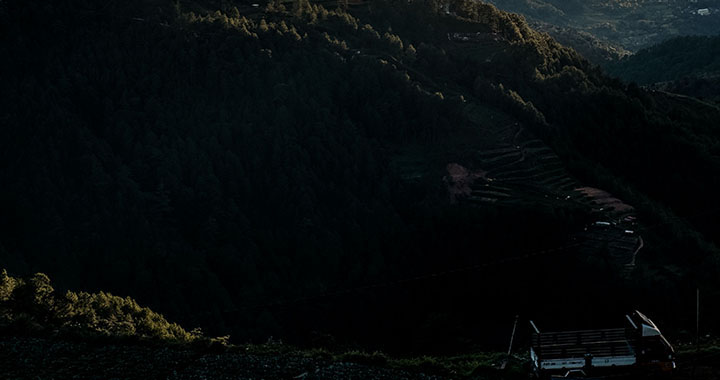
column 697, row 332
column 697, row 321
column 512, row 338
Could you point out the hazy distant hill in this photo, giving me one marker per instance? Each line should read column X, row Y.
column 392, row 174
column 631, row 25
column 595, row 49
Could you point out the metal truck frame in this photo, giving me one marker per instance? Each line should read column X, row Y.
column 638, row 348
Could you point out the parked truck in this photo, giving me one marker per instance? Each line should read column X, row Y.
column 637, row 350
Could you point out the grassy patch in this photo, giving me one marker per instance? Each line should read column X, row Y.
column 478, row 365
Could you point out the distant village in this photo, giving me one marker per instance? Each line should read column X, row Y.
column 696, row 8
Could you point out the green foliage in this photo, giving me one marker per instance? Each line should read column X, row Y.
column 34, row 305
column 510, row 101
column 7, row 286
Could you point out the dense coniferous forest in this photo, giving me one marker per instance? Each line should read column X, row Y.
column 685, row 65
column 284, row 170
column 691, row 56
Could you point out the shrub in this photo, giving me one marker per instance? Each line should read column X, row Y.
column 33, row 304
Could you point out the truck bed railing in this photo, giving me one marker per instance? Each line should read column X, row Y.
column 596, row 349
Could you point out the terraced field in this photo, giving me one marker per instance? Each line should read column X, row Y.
column 521, row 169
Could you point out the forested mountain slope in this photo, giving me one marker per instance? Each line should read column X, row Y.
column 683, row 65
column 285, row 170
column 692, row 56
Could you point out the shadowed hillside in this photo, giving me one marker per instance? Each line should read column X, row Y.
column 672, row 60
column 684, row 65
column 368, row 174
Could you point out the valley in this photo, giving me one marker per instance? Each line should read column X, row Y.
column 615, row 28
